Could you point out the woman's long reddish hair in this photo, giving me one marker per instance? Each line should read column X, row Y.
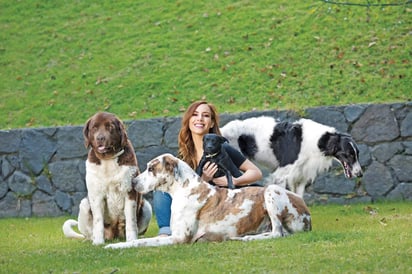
column 186, row 145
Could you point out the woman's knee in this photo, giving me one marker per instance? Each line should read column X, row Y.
column 162, row 202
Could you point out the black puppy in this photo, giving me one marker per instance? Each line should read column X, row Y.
column 214, row 152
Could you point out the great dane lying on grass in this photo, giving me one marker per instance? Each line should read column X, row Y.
column 203, row 212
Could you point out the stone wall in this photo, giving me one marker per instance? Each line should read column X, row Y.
column 42, row 169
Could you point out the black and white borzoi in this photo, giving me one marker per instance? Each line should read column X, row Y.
column 296, row 151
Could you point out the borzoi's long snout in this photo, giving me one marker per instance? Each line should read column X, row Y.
column 357, row 170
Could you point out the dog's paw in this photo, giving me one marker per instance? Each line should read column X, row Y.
column 262, row 236
column 131, row 236
column 244, row 238
column 237, row 238
column 113, row 246
column 97, row 241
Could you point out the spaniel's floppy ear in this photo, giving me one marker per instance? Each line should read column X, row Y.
column 122, row 131
column 86, row 133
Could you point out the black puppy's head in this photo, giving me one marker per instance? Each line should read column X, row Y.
column 212, row 143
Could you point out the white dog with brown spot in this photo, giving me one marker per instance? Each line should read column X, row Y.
column 202, row 212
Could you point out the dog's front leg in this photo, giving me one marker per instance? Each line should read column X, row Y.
column 155, row 241
column 300, row 189
column 130, row 208
column 97, row 207
column 230, row 184
column 199, row 169
column 262, row 236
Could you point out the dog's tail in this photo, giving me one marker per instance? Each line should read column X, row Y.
column 68, row 229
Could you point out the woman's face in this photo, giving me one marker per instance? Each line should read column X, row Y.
column 201, row 120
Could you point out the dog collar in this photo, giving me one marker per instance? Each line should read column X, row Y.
column 118, row 154
column 211, row 155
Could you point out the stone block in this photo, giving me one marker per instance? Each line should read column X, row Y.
column 10, row 141
column 334, row 182
column 406, row 126
column 171, row 134
column 37, row 148
column 21, row 184
column 384, row 152
column 66, row 175
column 70, row 143
column 331, row 116
column 4, row 188
column 6, row 168
column 353, row 112
column 43, row 183
column 377, row 124
column 365, row 157
column 402, row 166
column 13, row 206
column 377, row 180
column 408, row 148
column 403, row 191
column 44, row 205
column 63, row 200
column 144, row 133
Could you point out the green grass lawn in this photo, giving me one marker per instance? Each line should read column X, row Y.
column 363, row 238
column 62, row 61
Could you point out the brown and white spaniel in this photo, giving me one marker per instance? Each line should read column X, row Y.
column 112, row 208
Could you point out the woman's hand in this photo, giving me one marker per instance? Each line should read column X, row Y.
column 209, row 170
